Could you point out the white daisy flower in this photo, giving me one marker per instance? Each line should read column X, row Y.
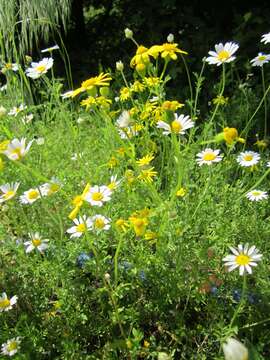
column 124, row 120
column 257, row 195
column 39, row 68
column 208, row 156
column 67, row 94
column 27, row 119
column 128, row 133
column 36, row 242
column 30, row 196
column 50, row 49
column 6, row 303
column 50, row 188
column 97, row 195
column 114, row 183
column 11, row 347
column 82, row 224
column 265, row 38
column 40, row 141
column 248, row 158
column 17, row 149
column 243, row 258
column 260, row 60
column 8, row 191
column 16, row 110
column 223, row 53
column 179, row 125
column 100, row 222
column 234, row 350
column 10, row 66
column 76, row 156
column 268, row 164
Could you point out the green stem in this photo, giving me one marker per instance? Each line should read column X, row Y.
column 265, row 104
column 189, row 80
column 198, row 89
column 116, row 260
column 242, row 301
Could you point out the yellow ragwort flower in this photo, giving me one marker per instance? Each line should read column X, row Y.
column 141, row 56
column 78, row 202
column 139, row 225
column 125, row 94
column 89, row 84
column 181, row 192
column 122, row 225
column 145, row 160
column 221, row 100
column 171, row 105
column 147, row 175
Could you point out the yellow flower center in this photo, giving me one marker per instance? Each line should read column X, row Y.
column 99, row 223
column 256, row 193
column 97, row 196
column 8, row 194
column 36, row 242
column 8, row 66
column 53, row 188
column 242, row 259
column 223, row 55
column 41, row 68
column 33, row 194
column 262, row 57
column 112, row 185
column 81, row 228
column 248, row 157
column 209, row 156
column 17, row 151
column 4, row 303
column 13, row 345
column 176, row 127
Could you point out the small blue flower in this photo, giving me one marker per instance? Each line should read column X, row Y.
column 83, row 258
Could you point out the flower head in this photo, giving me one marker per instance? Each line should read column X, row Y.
column 147, row 175
column 208, row 156
column 234, row 350
column 10, row 66
column 243, row 258
column 11, row 347
column 248, row 158
column 124, row 119
column 8, row 191
column 265, row 38
column 179, row 125
column 6, row 304
column 114, row 183
column 82, row 224
column 98, row 195
column 30, row 196
column 257, row 195
column 17, row 149
column 50, row 188
column 50, row 49
column 260, row 60
column 144, row 161
column 36, row 242
column 222, row 54
column 40, row 68
column 16, row 110
column 100, row 223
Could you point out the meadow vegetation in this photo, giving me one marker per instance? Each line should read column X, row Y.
column 134, row 225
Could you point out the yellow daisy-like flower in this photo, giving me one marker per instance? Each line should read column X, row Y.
column 221, row 100
column 141, row 57
column 169, row 51
column 78, row 202
column 122, row 225
column 152, row 81
column 181, row 192
column 145, row 160
column 125, row 94
column 89, row 102
column 139, row 224
column 113, row 162
column 137, row 86
column 147, row 175
column 171, row 105
column 100, row 80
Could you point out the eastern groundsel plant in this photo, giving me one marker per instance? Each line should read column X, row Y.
column 135, row 224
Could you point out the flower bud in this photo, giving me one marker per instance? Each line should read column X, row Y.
column 119, row 65
column 234, row 350
column 128, row 33
column 107, row 277
column 170, row 38
column 2, row 111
